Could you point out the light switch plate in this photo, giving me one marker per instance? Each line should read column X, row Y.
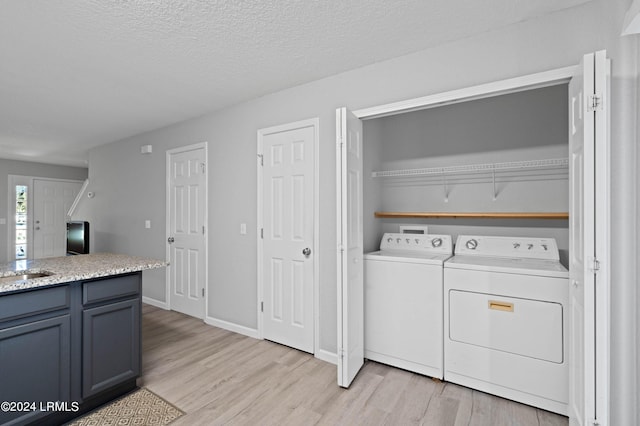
column 147, row 224
column 3, row 221
column 243, row 229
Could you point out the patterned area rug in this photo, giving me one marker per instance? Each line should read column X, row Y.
column 139, row 408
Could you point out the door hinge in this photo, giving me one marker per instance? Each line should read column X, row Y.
column 595, row 265
column 341, row 353
column 594, row 102
column 202, row 229
column 203, row 166
column 261, row 157
column 594, row 422
column 202, row 291
column 262, row 233
column 261, row 306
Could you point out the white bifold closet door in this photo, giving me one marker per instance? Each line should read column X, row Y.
column 350, row 246
column 588, row 241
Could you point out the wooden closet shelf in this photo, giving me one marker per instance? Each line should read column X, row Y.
column 474, row 215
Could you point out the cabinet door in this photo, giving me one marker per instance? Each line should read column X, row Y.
column 35, row 362
column 110, row 345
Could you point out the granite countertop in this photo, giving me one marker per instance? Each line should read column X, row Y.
column 71, row 268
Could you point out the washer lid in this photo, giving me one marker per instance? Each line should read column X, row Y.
column 509, row 265
column 407, row 256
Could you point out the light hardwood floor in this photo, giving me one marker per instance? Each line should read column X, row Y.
column 218, row 377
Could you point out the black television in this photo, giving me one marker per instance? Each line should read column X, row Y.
column 77, row 237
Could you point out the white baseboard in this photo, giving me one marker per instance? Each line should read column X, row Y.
column 154, row 302
column 236, row 328
column 327, row 356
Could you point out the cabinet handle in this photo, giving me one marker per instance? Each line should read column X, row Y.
column 500, row 306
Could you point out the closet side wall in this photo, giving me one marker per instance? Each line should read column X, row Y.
column 373, row 201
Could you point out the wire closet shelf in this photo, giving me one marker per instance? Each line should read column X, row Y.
column 475, row 168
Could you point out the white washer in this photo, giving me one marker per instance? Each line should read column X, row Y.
column 403, row 301
column 506, row 319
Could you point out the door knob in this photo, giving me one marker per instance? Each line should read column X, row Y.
column 306, row 251
column 170, row 239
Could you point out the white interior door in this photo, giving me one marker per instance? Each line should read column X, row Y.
column 51, row 202
column 587, row 137
column 288, row 173
column 186, row 215
column 350, row 246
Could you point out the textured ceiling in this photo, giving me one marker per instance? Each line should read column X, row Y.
column 75, row 74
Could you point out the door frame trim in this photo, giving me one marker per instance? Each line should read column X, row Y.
column 168, row 154
column 495, row 88
column 602, row 232
column 261, row 134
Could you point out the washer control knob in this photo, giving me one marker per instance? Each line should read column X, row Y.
column 529, row 246
column 398, row 240
column 436, row 242
column 408, row 240
column 472, row 244
column 417, row 240
column 516, row 245
column 389, row 239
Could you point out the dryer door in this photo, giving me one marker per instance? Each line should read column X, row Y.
column 524, row 327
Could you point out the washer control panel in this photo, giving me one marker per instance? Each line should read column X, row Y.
column 517, row 247
column 417, row 242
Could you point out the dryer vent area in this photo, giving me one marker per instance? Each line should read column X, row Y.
column 500, row 154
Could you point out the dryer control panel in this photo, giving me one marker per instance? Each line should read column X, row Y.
column 442, row 244
column 514, row 247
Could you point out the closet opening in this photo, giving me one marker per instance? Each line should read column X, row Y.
column 491, row 166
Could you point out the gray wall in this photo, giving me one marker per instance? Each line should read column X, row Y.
column 130, row 187
column 26, row 168
column 625, row 233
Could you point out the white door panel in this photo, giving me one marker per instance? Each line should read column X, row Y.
column 580, row 140
column 587, row 218
column 187, row 232
column 288, row 173
column 51, row 202
column 350, row 246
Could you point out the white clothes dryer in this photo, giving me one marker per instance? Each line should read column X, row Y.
column 403, row 302
column 506, row 319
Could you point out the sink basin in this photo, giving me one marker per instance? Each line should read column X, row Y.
column 22, row 277
column 33, row 275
